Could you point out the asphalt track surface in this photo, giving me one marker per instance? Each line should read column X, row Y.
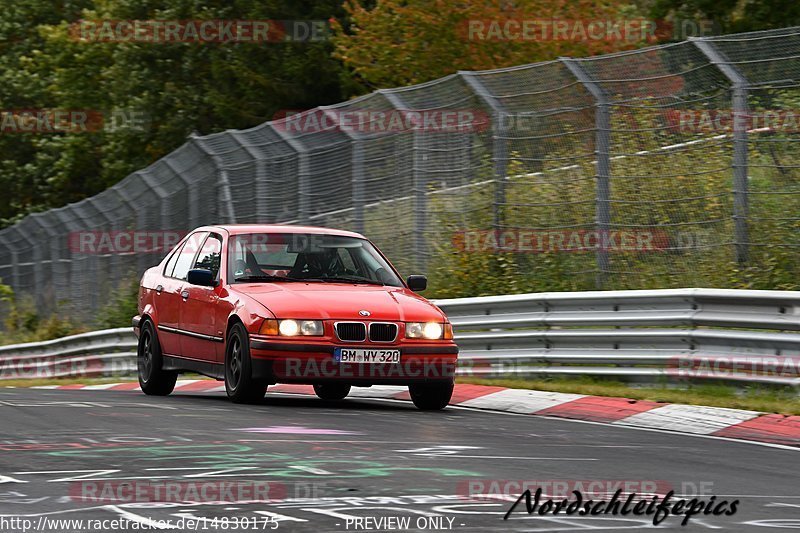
column 330, row 463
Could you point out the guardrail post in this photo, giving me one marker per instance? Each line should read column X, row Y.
column 603, row 164
column 499, row 148
column 741, row 113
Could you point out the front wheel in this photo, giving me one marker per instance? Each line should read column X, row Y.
column 152, row 379
column 239, row 382
column 431, row 396
column 331, row 391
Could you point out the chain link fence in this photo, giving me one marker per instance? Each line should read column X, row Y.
column 670, row 166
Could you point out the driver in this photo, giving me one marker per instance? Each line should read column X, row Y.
column 325, row 263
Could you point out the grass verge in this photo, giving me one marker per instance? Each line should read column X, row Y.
column 754, row 398
column 37, row 382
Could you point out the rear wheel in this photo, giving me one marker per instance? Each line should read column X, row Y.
column 152, row 379
column 431, row 396
column 331, row 391
column 239, row 382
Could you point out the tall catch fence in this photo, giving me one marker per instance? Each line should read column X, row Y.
column 676, row 165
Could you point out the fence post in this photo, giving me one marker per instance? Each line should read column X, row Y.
column 358, row 186
column 38, row 268
column 499, row 148
column 357, row 174
column 303, row 174
column 142, row 262
column 14, row 262
column 107, row 266
column 192, row 193
column 420, row 209
column 223, row 184
column 740, row 87
column 67, row 218
column 52, row 279
column 602, row 119
column 263, row 212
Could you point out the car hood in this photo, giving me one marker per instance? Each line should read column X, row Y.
column 334, row 301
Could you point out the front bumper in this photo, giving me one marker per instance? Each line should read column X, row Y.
column 285, row 362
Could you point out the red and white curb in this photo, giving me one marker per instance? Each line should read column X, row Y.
column 692, row 419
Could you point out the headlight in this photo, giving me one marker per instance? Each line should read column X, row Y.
column 289, row 328
column 292, row 328
column 427, row 330
column 311, row 327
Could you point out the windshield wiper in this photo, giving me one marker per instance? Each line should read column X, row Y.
column 264, row 277
column 344, row 279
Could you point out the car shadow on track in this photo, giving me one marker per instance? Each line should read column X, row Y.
column 303, row 401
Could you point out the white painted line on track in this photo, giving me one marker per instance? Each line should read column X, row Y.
column 100, row 387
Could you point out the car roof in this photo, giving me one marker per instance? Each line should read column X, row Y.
column 239, row 229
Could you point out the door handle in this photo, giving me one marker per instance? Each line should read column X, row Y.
column 185, row 295
column 159, row 288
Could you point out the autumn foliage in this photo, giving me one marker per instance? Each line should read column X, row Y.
column 400, row 42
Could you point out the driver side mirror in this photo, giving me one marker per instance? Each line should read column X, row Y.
column 202, row 277
column 417, row 283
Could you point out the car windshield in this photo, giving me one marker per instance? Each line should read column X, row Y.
column 291, row 257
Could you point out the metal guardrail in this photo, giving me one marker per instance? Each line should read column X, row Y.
column 110, row 352
column 649, row 335
column 673, row 334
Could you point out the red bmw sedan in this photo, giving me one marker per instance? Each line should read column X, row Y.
column 258, row 305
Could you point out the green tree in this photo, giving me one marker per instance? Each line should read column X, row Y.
column 729, row 16
column 177, row 87
column 399, row 42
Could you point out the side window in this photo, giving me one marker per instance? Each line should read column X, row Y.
column 187, row 254
column 210, row 254
column 171, row 262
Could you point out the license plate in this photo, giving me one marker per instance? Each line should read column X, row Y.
column 365, row 355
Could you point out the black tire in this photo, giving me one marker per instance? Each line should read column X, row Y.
column 152, row 379
column 431, row 396
column 239, row 382
column 331, row 391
